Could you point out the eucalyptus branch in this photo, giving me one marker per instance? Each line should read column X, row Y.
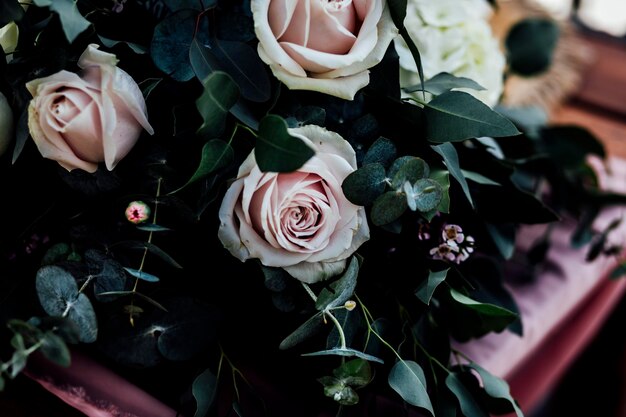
column 309, row 291
column 342, row 336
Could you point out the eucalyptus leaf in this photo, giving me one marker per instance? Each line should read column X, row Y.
column 530, row 45
column 151, row 227
column 382, row 151
column 58, row 295
column 345, row 352
column 355, row 372
column 467, row 402
column 108, row 273
column 57, row 253
column 479, row 178
column 425, row 195
column 277, row 150
column 171, row 43
column 569, row 146
column 341, row 290
column 408, row 380
column 455, row 116
column 302, row 333
column 216, row 154
column 72, row 21
column 110, row 43
column 497, row 388
column 204, row 389
column 365, row 184
column 427, row 287
column 54, row 349
column 153, row 249
column 144, row 276
column 409, row 169
column 451, row 159
column 219, row 96
column 443, row 82
column 311, row 115
column 275, row 278
column 443, row 178
column 388, row 207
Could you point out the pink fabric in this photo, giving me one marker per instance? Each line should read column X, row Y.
column 562, row 312
column 95, row 390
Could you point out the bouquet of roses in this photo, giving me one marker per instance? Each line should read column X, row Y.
column 346, row 153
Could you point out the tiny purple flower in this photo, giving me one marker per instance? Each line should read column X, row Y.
column 445, row 252
column 452, row 233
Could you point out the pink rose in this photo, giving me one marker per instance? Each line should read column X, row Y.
column 323, row 45
column 299, row 221
column 80, row 120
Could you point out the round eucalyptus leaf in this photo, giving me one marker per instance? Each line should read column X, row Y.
column 55, row 349
column 187, row 329
column 382, row 151
column 365, row 184
column 408, row 169
column 428, row 194
column 388, row 207
column 56, row 289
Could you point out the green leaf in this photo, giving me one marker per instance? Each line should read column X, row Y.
column 340, row 290
column 497, row 388
column 478, row 178
column 345, row 352
column 427, row 288
column 58, row 295
column 219, row 96
column 10, row 11
column 199, row 5
column 152, row 248
column 451, row 159
column 204, row 389
column 306, row 330
column 504, row 238
column 382, row 151
column 408, row 169
column 144, row 276
column 528, row 118
column 355, row 372
column 108, row 273
column 72, row 21
column 135, row 47
column 365, row 184
column 277, row 150
column 408, row 380
column 57, row 253
column 455, row 116
column 482, row 308
column 171, row 43
column 388, row 207
column 397, row 9
column 148, row 85
column 151, row 227
column 424, row 196
column 530, row 45
column 55, row 349
column 569, row 146
column 444, row 82
column 467, row 402
column 443, row 178
column 216, row 154
column 275, row 278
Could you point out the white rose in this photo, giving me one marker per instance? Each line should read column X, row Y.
column 322, row 45
column 6, row 124
column 9, row 35
column 453, row 36
column 299, row 221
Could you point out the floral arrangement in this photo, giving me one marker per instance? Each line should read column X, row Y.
column 217, row 197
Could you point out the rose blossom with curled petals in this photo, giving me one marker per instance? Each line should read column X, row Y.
column 323, row 45
column 299, row 221
column 81, row 120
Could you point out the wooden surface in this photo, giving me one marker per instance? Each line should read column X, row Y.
column 600, row 104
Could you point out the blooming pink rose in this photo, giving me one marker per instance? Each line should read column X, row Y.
column 299, row 221
column 323, row 45
column 80, row 120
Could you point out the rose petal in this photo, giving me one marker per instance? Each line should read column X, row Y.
column 311, row 273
